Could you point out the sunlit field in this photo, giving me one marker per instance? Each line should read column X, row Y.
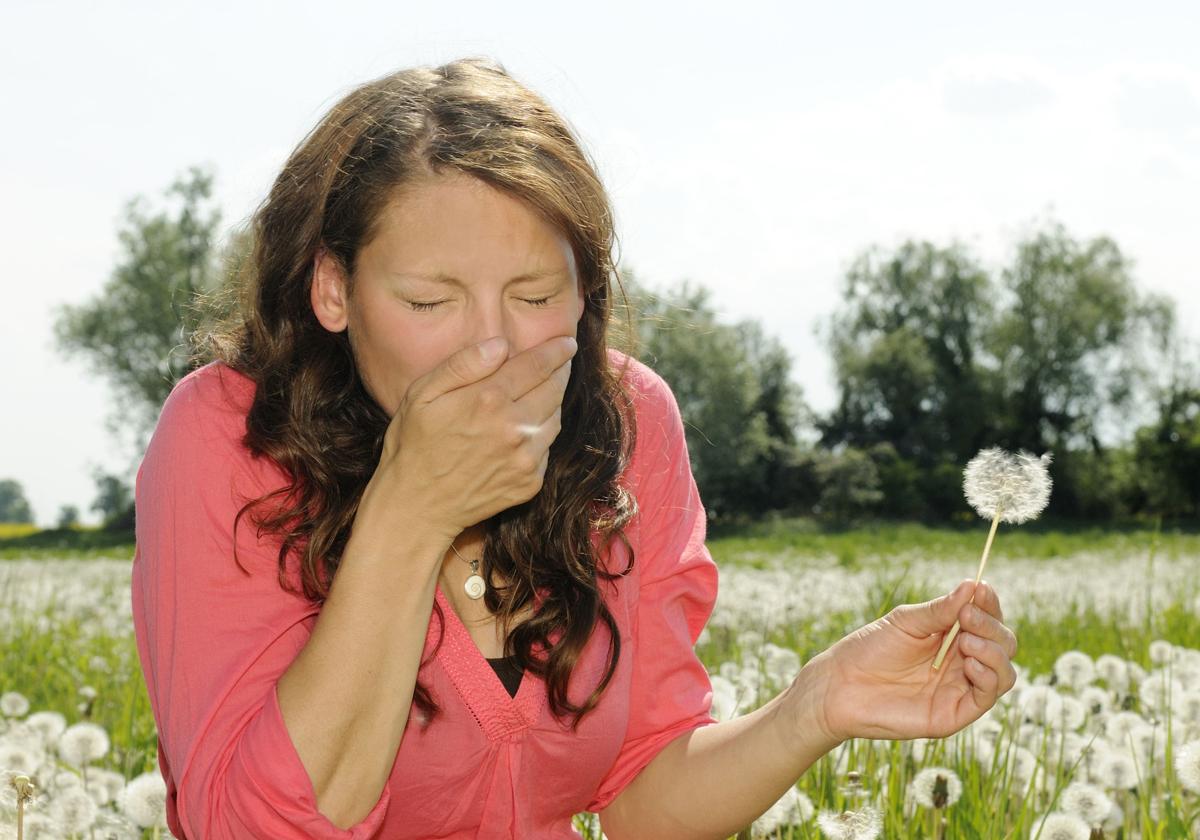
column 1099, row 739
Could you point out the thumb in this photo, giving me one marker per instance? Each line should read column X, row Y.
column 468, row 365
column 938, row 615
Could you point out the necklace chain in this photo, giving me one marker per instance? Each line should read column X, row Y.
column 475, row 586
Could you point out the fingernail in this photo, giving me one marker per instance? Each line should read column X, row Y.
column 491, row 349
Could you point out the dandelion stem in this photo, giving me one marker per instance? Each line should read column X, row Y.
column 987, row 548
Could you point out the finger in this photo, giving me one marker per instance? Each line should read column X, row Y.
column 988, row 652
column 975, row 620
column 989, row 600
column 936, row 616
column 535, row 367
column 543, row 401
column 985, row 683
column 464, row 367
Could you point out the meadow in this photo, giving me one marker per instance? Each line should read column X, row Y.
column 1099, row 739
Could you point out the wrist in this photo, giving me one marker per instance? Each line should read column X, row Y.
column 807, row 701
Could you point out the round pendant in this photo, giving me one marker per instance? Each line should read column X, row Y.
column 474, row 587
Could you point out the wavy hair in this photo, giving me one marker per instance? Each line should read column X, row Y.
column 311, row 413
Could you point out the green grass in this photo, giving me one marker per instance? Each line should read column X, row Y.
column 748, row 542
column 50, row 667
column 77, row 543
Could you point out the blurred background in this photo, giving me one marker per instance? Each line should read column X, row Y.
column 862, row 242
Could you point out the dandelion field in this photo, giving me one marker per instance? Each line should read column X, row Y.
column 1099, row 739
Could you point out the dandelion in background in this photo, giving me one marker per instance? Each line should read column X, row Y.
column 1088, row 802
column 936, row 788
column 144, row 801
column 74, row 810
column 793, row 808
column 1001, row 486
column 1187, row 766
column 13, row 704
column 1161, row 652
column 1059, row 826
column 1075, row 670
column 81, row 744
column 850, row 825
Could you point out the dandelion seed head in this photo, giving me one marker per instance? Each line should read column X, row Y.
column 1113, row 670
column 793, row 808
column 82, row 743
column 1159, row 691
column 1017, row 487
column 13, row 704
column 49, row 723
column 935, row 787
column 1121, row 725
column 1095, row 699
column 144, row 800
column 1187, row 765
column 1086, row 801
column 850, row 825
column 1040, row 703
column 1075, row 669
column 1060, row 826
column 74, row 810
column 19, row 757
column 1070, row 716
column 1161, row 652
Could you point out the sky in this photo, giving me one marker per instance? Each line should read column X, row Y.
column 752, row 148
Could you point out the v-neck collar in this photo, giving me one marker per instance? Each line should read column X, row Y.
column 502, row 716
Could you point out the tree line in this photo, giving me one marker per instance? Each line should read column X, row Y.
column 935, row 357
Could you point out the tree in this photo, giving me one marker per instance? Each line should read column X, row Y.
column 136, row 332
column 739, row 408
column 114, row 498
column 849, row 485
column 14, row 507
column 68, row 515
column 1069, row 342
column 905, row 349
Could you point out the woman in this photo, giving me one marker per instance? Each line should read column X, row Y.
column 420, row 555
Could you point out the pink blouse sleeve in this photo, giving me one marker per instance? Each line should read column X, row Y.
column 670, row 691
column 212, row 640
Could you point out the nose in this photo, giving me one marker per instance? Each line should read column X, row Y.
column 488, row 319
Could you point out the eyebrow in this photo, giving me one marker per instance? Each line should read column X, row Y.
column 447, row 279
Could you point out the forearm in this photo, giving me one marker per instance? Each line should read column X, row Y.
column 346, row 697
column 715, row 780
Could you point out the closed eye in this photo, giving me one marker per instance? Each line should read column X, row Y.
column 426, row 307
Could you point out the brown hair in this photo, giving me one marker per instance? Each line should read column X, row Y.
column 311, row 412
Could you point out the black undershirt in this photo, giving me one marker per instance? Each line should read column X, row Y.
column 510, row 675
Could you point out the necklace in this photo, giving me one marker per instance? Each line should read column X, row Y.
column 475, row 587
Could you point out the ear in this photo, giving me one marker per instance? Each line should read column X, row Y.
column 328, row 292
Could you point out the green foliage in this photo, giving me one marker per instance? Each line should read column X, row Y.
column 904, row 350
column 740, row 409
column 14, row 507
column 114, row 500
column 935, row 360
column 849, row 485
column 136, row 332
column 68, row 516
column 1067, row 344
column 1169, row 452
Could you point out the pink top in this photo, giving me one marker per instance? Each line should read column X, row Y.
column 213, row 642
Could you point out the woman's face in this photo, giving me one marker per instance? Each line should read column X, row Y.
column 505, row 272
